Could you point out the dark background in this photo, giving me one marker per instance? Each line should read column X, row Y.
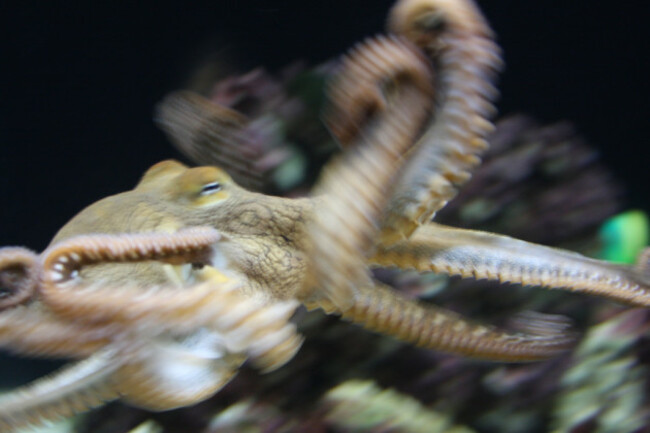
column 79, row 82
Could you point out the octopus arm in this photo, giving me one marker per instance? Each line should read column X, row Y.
column 378, row 308
column 380, row 100
column 481, row 255
column 76, row 388
column 460, row 44
column 209, row 134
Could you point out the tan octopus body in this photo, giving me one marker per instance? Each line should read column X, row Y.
column 165, row 290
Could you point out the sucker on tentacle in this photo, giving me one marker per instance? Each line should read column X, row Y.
column 169, row 347
column 63, row 261
column 387, row 85
column 380, row 309
column 358, row 188
column 169, row 288
column 481, row 255
column 18, row 276
column 215, row 303
column 456, row 36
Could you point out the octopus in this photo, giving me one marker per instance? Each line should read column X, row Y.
column 162, row 292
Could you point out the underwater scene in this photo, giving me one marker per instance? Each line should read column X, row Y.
column 392, row 230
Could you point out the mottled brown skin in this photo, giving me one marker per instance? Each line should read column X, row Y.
column 262, row 250
column 153, row 326
column 263, row 236
column 158, row 347
column 269, row 256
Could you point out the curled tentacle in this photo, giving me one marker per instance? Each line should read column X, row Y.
column 459, row 41
column 63, row 260
column 386, row 84
column 369, row 81
column 481, row 255
column 185, row 246
column 74, row 389
column 209, row 134
column 196, row 337
column 380, row 309
column 216, row 303
column 18, row 276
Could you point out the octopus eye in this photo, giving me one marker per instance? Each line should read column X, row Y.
column 210, row 188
